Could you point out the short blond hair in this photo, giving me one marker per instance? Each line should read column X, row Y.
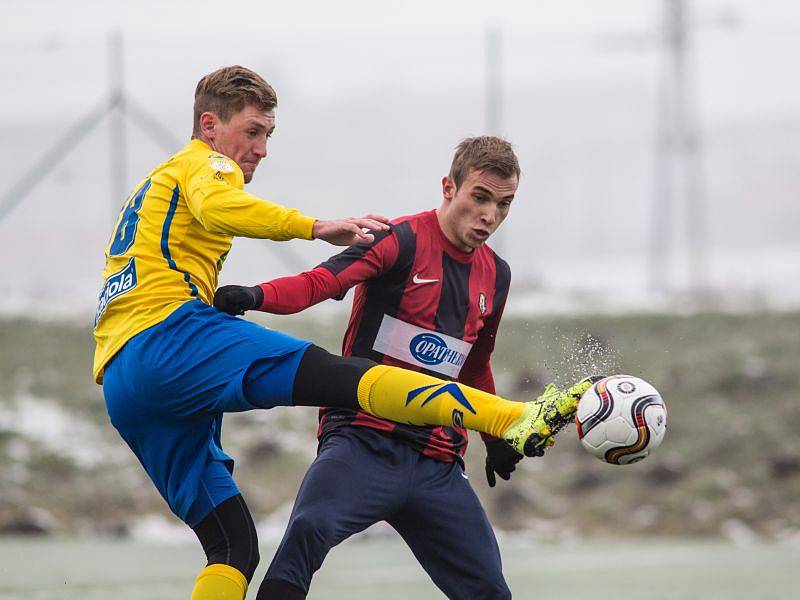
column 484, row 153
column 228, row 90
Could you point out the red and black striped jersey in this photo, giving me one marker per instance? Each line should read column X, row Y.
column 420, row 303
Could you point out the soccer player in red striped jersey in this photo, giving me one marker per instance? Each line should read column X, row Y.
column 429, row 297
column 425, row 304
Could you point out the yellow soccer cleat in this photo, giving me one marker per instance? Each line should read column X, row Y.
column 544, row 417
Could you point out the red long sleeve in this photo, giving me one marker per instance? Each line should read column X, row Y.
column 288, row 295
column 331, row 279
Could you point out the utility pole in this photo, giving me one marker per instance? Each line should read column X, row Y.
column 118, row 154
column 678, row 172
column 494, row 81
column 694, row 190
column 493, row 49
column 117, row 106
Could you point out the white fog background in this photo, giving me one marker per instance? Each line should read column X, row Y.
column 373, row 97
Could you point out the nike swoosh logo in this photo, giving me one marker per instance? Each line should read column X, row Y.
column 416, row 279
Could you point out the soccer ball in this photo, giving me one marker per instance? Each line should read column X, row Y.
column 621, row 419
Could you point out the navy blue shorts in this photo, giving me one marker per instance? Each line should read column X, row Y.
column 167, row 388
column 362, row 476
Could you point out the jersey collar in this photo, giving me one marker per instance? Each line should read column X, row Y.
column 447, row 245
column 199, row 144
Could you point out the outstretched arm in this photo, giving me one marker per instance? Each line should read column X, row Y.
column 213, row 187
column 331, row 279
column 346, row 232
column 289, row 295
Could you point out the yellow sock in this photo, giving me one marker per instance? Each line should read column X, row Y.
column 418, row 399
column 220, row 582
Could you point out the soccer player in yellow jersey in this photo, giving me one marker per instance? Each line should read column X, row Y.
column 171, row 364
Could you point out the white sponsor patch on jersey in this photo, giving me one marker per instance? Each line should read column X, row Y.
column 418, row 346
column 223, row 166
column 119, row 283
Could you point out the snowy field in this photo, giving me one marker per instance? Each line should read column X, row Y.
column 383, row 568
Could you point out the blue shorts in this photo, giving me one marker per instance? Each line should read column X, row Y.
column 167, row 388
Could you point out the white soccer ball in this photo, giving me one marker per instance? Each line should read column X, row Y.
column 621, row 419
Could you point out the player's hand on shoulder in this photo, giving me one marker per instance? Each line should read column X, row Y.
column 236, row 299
column 346, row 232
column 501, row 459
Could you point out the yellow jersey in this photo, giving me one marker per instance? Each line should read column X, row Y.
column 171, row 239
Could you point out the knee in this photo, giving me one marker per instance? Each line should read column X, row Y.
column 484, row 583
column 312, row 527
column 322, row 376
column 242, row 556
column 228, row 536
column 493, row 587
column 248, row 563
column 501, row 592
column 277, row 589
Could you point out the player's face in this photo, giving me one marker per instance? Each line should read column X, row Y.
column 470, row 214
column 242, row 138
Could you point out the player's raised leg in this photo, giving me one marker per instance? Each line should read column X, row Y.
column 419, row 399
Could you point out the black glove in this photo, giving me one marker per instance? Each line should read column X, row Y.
column 236, row 299
column 501, row 458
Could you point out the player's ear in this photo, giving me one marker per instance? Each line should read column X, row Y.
column 448, row 188
column 208, row 124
